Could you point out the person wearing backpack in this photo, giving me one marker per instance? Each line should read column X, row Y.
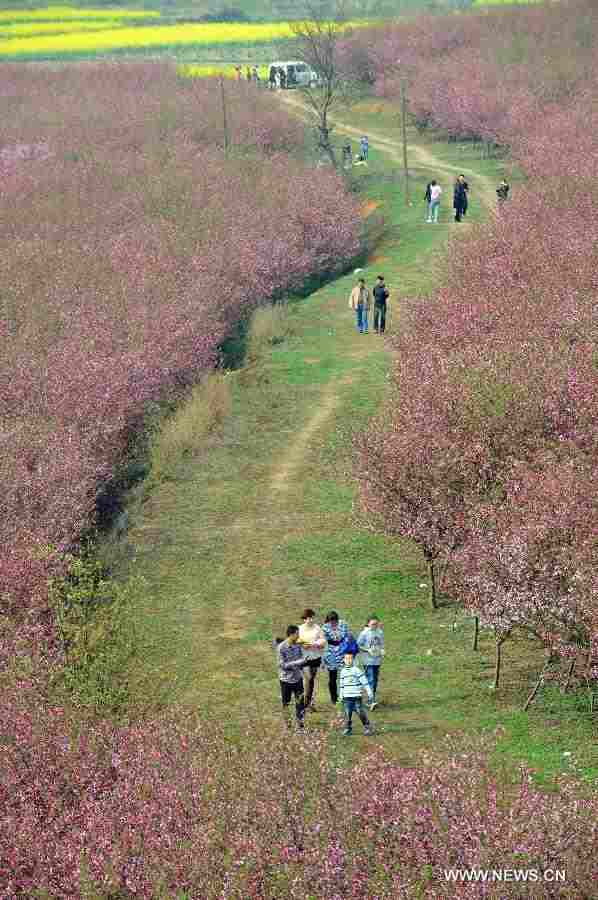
column 381, row 295
column 336, row 632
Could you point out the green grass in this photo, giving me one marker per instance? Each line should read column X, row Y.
column 232, row 552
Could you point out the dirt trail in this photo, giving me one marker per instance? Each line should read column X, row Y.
column 294, row 457
column 422, row 155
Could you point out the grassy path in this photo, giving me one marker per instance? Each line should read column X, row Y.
column 260, row 524
column 418, row 152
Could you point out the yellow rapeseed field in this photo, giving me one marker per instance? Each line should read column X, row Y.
column 24, row 29
column 208, row 34
column 59, row 13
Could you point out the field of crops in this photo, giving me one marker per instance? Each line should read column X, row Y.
column 63, row 33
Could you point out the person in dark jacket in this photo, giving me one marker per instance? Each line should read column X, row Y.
column 460, row 197
column 283, row 79
column 502, row 191
column 381, row 295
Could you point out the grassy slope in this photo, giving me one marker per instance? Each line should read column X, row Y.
column 260, row 525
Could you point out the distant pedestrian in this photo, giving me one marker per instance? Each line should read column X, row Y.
column 460, row 202
column 335, row 631
column 381, row 296
column 347, row 156
column 502, row 191
column 291, row 662
column 239, row 72
column 255, row 75
column 352, row 683
column 248, row 73
column 283, row 79
column 313, row 643
column 428, row 198
column 359, row 302
column 364, row 145
column 371, row 645
column 272, row 77
column 434, row 204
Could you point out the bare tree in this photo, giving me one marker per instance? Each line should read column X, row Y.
column 317, row 39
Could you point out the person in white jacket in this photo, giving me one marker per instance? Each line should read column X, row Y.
column 313, row 644
column 434, row 204
column 371, row 646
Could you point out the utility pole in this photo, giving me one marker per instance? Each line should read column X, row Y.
column 404, row 128
column 224, row 122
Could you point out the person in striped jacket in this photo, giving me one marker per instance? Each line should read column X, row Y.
column 352, row 682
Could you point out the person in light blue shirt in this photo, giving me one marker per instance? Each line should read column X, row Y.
column 371, row 646
column 364, row 146
column 352, row 683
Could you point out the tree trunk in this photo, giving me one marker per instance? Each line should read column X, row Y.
column 476, row 632
column 568, row 678
column 535, row 690
column 497, row 666
column 433, row 584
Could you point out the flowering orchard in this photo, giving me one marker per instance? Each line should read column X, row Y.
column 488, row 445
column 169, row 809
column 130, row 248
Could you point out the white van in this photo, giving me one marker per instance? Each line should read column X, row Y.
column 296, row 74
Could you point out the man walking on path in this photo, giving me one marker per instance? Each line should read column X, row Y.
column 290, row 672
column 434, row 205
column 351, row 684
column 460, row 197
column 359, row 301
column 502, row 191
column 380, row 297
column 313, row 642
column 371, row 645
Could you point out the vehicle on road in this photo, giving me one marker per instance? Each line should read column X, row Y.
column 296, row 74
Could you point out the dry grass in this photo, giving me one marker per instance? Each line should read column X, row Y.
column 270, row 326
column 184, row 433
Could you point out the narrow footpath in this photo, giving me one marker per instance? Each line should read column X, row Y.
column 261, row 524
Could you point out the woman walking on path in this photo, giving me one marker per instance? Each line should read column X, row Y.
column 336, row 632
column 313, row 643
column 434, row 204
column 371, row 645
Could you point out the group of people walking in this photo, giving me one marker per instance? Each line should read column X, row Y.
column 460, row 198
column 309, row 646
column 460, row 201
column 360, row 301
column 364, row 150
column 251, row 73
